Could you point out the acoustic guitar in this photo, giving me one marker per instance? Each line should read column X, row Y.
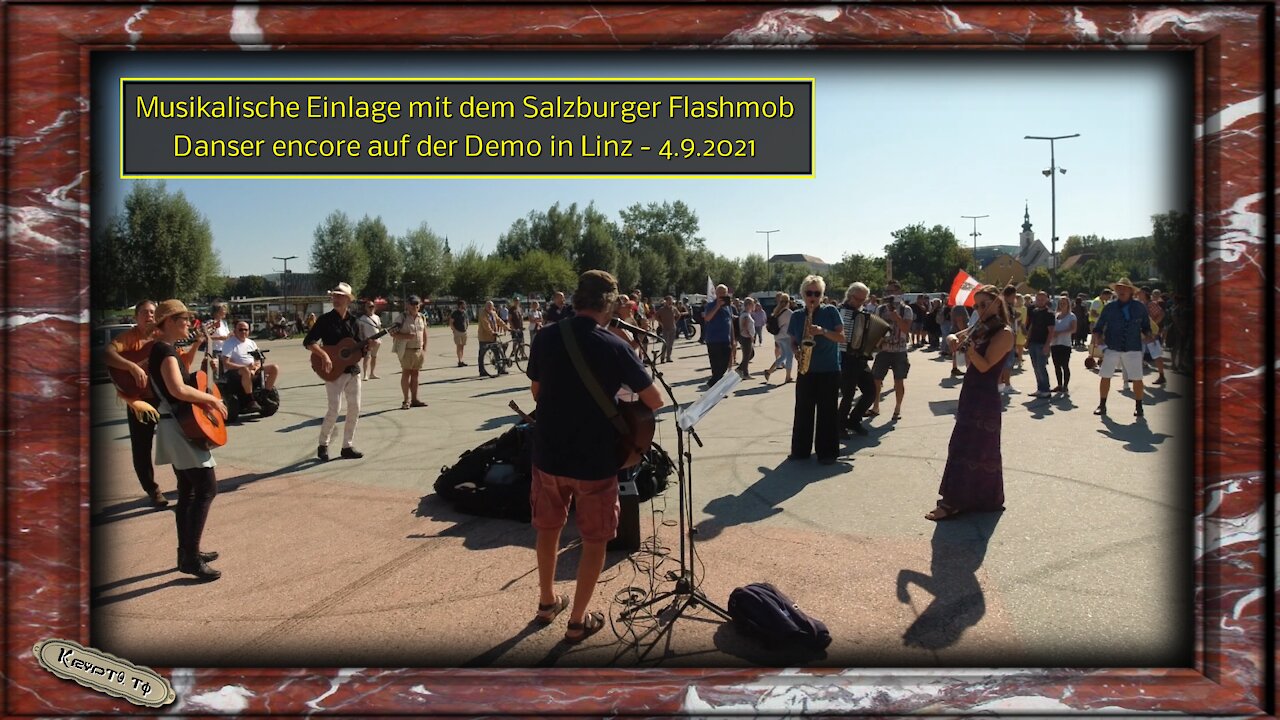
column 343, row 355
column 205, row 428
column 641, row 425
column 123, row 379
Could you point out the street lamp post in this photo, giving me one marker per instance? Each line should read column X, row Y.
column 975, row 233
column 768, row 262
column 1052, row 174
column 284, row 277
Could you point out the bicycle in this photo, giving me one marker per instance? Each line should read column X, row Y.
column 501, row 356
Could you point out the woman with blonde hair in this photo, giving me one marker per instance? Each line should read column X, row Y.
column 411, row 345
column 973, row 480
column 784, row 354
column 1064, row 328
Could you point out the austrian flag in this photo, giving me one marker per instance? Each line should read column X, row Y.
column 962, row 289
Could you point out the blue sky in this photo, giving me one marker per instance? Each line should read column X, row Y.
column 901, row 138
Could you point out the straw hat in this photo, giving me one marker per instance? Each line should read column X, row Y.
column 343, row 289
column 170, row 308
column 1124, row 282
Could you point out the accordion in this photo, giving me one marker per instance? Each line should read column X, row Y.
column 863, row 331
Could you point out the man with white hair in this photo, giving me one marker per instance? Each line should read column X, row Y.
column 854, row 373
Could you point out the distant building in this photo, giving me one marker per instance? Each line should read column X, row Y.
column 1004, row 264
column 297, row 283
column 1032, row 253
column 815, row 265
column 986, row 254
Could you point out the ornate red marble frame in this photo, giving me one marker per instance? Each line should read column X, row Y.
column 46, row 461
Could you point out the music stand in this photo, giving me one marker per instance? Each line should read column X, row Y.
column 685, row 592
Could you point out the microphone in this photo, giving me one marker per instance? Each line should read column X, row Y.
column 618, row 323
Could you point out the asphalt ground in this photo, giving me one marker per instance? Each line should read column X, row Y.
column 357, row 562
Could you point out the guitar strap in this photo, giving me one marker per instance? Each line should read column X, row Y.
column 589, row 378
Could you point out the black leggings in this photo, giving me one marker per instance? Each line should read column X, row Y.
column 196, row 490
column 1061, row 364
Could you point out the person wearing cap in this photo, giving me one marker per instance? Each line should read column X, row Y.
column 574, row 445
column 330, row 329
column 1122, row 329
column 370, row 324
column 141, row 415
column 197, row 483
column 488, row 327
column 411, row 339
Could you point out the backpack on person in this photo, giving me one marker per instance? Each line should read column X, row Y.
column 771, row 324
column 763, row 611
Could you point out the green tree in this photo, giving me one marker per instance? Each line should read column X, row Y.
column 627, row 271
column 248, row 286
column 1040, row 279
column 555, row 231
column 855, row 267
column 1071, row 282
column 473, row 277
column 386, row 263
column 540, row 272
column 161, row 247
column 927, row 256
column 791, row 275
column 596, row 250
column 336, row 255
column 428, row 268
column 755, row 275
column 654, row 273
column 691, row 275
column 726, row 271
column 1171, row 236
column 640, row 223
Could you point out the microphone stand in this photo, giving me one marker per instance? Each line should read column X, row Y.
column 685, row 592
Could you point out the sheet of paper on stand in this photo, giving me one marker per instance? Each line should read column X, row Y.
column 696, row 409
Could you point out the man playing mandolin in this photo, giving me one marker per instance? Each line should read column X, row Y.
column 575, row 447
column 330, row 329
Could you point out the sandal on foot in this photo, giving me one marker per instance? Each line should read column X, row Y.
column 417, row 403
column 591, row 624
column 940, row 513
column 404, row 405
column 549, row 612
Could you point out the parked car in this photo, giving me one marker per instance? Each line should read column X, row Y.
column 99, row 338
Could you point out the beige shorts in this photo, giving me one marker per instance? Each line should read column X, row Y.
column 1130, row 362
column 411, row 359
column 459, row 338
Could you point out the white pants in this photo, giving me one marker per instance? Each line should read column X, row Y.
column 1129, row 362
column 349, row 385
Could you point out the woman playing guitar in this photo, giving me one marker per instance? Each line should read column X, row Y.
column 193, row 464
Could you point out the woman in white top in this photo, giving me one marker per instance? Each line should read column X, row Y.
column 370, row 325
column 747, row 336
column 411, row 338
column 535, row 319
column 1064, row 327
column 782, row 350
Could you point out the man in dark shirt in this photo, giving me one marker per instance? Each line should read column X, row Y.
column 330, row 329
column 574, row 445
column 556, row 311
column 1039, row 326
column 458, row 325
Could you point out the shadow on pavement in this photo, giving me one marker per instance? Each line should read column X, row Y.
column 943, row 407
column 762, row 499
column 99, row 601
column 503, row 391
column 959, row 547
column 1136, row 437
column 731, row 641
column 499, row 423
column 493, row 654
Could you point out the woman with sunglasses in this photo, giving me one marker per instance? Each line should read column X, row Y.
column 197, row 484
column 818, row 387
column 973, row 480
column 411, row 337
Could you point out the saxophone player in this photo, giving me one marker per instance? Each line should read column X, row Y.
column 816, row 427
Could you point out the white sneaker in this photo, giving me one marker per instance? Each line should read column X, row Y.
column 1007, row 390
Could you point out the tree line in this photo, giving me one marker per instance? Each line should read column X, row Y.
column 162, row 246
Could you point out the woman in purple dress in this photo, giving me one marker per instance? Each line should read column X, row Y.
column 974, row 478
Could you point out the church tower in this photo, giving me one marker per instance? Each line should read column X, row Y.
column 1026, row 237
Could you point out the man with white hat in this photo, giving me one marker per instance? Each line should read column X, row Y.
column 330, row 329
column 1123, row 327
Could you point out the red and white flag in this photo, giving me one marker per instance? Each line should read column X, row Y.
column 962, row 289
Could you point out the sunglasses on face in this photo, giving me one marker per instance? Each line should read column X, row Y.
column 813, row 293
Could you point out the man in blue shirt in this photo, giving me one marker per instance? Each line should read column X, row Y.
column 717, row 329
column 818, row 387
column 1122, row 329
column 575, row 445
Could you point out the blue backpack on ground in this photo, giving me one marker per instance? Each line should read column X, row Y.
column 762, row 610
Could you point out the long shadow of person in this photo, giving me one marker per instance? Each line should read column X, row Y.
column 763, row 498
column 959, row 547
column 1136, row 437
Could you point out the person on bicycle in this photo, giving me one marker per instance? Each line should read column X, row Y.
column 515, row 320
column 490, row 326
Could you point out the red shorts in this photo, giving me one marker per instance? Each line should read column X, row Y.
column 596, row 502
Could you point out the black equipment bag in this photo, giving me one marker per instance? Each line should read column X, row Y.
column 651, row 473
column 493, row 479
column 771, row 324
column 762, row 610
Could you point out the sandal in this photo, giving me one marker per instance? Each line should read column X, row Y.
column 548, row 613
column 940, row 513
column 591, row 624
column 417, row 403
column 404, row 405
column 872, row 413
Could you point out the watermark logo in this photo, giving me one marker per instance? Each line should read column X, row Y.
column 104, row 672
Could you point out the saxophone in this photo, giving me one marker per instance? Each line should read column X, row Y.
column 806, row 345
